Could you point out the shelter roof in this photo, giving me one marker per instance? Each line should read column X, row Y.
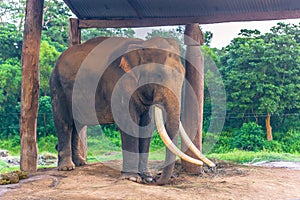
column 184, row 11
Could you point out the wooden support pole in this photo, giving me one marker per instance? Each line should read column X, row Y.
column 74, row 32
column 75, row 39
column 30, row 84
column 193, row 108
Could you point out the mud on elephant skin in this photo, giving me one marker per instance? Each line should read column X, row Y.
column 118, row 80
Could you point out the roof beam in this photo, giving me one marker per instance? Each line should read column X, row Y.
column 149, row 22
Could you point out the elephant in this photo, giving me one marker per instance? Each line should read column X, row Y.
column 121, row 80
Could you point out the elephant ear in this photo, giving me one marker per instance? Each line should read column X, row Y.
column 124, row 64
column 131, row 58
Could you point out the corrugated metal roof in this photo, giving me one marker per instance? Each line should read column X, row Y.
column 147, row 9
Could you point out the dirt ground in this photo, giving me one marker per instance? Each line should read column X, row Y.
column 100, row 181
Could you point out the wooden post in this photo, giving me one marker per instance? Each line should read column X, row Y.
column 74, row 32
column 193, row 111
column 30, row 84
column 75, row 39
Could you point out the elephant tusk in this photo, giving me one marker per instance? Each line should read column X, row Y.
column 168, row 142
column 185, row 138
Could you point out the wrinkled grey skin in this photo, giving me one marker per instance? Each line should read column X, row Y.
column 135, row 146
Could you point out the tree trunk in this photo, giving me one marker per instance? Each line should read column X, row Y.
column 193, row 108
column 269, row 128
column 30, row 84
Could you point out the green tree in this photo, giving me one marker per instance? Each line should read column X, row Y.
column 45, row 124
column 48, row 57
column 10, row 42
column 13, row 12
column 106, row 32
column 56, row 23
column 10, row 83
column 261, row 73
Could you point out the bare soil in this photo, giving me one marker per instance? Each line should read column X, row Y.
column 101, row 181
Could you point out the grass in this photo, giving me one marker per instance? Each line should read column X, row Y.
column 239, row 156
column 236, row 156
column 100, row 149
column 4, row 167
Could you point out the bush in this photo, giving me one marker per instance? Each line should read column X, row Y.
column 156, row 141
column 291, row 142
column 272, row 146
column 223, row 145
column 250, row 137
column 112, row 133
column 47, row 144
column 45, row 123
column 12, row 144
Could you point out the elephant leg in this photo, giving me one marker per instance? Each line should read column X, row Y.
column 145, row 132
column 64, row 126
column 172, row 127
column 130, row 151
column 79, row 146
column 130, row 155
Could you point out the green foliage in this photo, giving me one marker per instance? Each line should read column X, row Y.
column 55, row 24
column 156, row 142
column 10, row 42
column 12, row 144
column 45, row 119
column 47, row 144
column 113, row 134
column 3, row 165
column 291, row 141
column 272, row 146
column 106, row 32
column 250, row 137
column 10, row 80
column 10, row 91
column 261, row 73
column 48, row 57
column 223, row 144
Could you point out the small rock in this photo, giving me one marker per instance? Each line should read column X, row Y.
column 3, row 153
column 111, row 153
column 48, row 156
column 15, row 160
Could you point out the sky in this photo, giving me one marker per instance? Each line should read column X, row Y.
column 223, row 33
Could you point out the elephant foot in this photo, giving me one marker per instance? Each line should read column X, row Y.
column 160, row 181
column 134, row 177
column 79, row 161
column 147, row 177
column 142, row 177
column 66, row 165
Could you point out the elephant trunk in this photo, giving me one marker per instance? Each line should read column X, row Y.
column 168, row 135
